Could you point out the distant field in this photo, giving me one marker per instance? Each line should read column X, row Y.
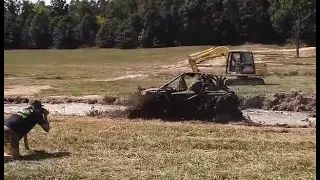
column 84, row 72
column 119, row 149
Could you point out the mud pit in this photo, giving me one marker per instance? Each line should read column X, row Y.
column 77, row 109
column 258, row 116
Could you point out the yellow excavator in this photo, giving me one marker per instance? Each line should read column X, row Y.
column 240, row 69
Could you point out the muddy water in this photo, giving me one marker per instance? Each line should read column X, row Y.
column 268, row 117
column 256, row 115
column 78, row 109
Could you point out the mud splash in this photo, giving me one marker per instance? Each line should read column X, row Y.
column 218, row 106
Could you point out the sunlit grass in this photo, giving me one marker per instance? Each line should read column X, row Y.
column 111, row 149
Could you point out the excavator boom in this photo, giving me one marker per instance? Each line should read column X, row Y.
column 199, row 57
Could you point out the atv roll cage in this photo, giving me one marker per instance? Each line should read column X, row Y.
column 208, row 82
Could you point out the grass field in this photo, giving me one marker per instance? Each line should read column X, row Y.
column 93, row 148
column 83, row 72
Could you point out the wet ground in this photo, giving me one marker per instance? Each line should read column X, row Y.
column 268, row 117
column 265, row 117
column 77, row 109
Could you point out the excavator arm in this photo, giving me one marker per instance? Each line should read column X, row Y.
column 196, row 58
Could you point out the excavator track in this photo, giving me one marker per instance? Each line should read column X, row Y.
column 244, row 81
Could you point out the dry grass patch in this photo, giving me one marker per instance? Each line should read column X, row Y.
column 122, row 149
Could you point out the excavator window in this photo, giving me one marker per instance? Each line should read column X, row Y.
column 234, row 60
column 247, row 65
column 241, row 62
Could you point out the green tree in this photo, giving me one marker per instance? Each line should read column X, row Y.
column 11, row 32
column 128, row 32
column 296, row 12
column 106, row 36
column 24, row 21
column 86, row 30
column 39, row 28
column 255, row 25
column 63, row 36
column 155, row 23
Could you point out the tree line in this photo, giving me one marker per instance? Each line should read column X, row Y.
column 156, row 23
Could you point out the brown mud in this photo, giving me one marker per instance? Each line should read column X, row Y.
column 282, row 110
column 255, row 117
column 293, row 101
column 63, row 99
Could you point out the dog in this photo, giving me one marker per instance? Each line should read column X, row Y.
column 20, row 124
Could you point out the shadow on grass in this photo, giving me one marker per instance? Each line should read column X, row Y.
column 40, row 155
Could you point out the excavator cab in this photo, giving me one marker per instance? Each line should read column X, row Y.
column 240, row 62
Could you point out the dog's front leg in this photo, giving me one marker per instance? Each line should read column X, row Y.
column 26, row 144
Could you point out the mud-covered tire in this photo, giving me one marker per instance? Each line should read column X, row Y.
column 150, row 106
column 225, row 105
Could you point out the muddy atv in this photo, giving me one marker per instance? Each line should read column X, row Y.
column 189, row 96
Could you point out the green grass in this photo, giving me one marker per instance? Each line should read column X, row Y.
column 123, row 88
column 111, row 149
column 86, row 62
column 275, row 84
column 70, row 72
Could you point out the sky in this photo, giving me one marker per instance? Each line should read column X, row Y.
column 46, row 1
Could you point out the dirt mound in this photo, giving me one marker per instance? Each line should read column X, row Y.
column 16, row 100
column 62, row 100
column 293, row 101
column 255, row 102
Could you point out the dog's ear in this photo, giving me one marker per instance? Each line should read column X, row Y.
column 45, row 127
